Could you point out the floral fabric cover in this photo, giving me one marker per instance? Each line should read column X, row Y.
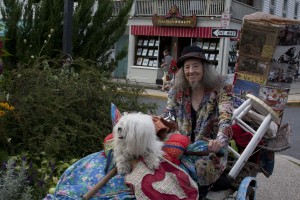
column 85, row 174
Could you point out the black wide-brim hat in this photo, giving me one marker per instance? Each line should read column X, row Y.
column 191, row 52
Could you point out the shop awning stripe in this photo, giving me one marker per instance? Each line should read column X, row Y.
column 202, row 32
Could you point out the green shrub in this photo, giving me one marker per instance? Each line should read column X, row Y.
column 63, row 113
column 13, row 184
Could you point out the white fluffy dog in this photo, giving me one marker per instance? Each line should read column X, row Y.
column 135, row 136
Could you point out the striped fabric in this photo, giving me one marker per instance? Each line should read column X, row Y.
column 202, row 32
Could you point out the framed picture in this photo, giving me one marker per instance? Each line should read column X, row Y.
column 145, row 62
column 139, row 51
column 144, row 53
column 206, row 55
column 155, row 52
column 140, row 42
column 150, row 63
column 212, row 46
column 157, row 43
column 151, row 42
column 150, row 52
column 217, row 57
column 211, row 56
column 145, row 43
column 155, row 64
column 200, row 44
column 205, row 45
column 139, row 61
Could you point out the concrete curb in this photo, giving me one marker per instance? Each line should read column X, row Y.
column 294, row 160
column 293, row 102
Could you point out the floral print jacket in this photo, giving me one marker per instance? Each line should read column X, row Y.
column 213, row 117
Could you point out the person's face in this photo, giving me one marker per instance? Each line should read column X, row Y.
column 193, row 71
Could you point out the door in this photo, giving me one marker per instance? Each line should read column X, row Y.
column 121, row 69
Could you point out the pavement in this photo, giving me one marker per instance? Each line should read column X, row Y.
column 283, row 184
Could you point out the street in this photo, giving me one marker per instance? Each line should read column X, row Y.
column 291, row 114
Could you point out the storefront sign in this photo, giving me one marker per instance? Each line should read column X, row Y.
column 174, row 18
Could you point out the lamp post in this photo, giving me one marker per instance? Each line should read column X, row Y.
column 67, row 29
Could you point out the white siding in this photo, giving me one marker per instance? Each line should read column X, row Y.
column 279, row 8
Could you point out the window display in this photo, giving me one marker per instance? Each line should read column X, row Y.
column 147, row 51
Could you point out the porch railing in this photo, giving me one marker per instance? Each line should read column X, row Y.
column 190, row 7
column 162, row 7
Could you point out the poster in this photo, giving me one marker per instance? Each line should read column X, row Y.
column 281, row 75
column 252, row 65
column 269, row 55
column 241, row 88
column 274, row 97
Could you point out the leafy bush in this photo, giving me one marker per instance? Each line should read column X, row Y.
column 13, row 184
column 63, row 113
column 35, row 172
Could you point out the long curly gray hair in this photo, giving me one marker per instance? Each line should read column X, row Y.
column 211, row 79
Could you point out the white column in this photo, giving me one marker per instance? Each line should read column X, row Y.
column 226, row 43
column 131, row 50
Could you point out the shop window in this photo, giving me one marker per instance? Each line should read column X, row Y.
column 147, row 51
column 211, row 48
column 232, row 57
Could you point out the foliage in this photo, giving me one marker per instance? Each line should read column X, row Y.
column 63, row 113
column 13, row 184
column 32, row 24
column 39, row 173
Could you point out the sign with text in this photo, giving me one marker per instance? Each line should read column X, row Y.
column 225, row 20
column 229, row 33
column 174, row 18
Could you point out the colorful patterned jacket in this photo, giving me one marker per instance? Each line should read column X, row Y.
column 213, row 117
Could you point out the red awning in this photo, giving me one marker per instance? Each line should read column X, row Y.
column 199, row 32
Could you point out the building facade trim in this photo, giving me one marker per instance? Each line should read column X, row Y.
column 197, row 32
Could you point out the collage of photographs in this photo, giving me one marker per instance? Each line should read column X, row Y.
column 267, row 64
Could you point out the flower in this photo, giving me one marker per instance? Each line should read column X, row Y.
column 25, row 41
column 32, row 56
column 173, row 68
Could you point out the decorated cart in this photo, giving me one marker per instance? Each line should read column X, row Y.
column 261, row 87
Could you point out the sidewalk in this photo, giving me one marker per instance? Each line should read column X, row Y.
column 283, row 183
column 293, row 99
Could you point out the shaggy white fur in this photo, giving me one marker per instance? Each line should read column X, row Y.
column 135, row 136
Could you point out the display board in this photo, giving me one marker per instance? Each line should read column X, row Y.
column 269, row 55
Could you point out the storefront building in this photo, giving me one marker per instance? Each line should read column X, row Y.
column 173, row 26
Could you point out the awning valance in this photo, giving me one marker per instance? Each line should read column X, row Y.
column 199, row 32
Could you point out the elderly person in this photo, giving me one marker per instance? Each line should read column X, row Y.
column 201, row 103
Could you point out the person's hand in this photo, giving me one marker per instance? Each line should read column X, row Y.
column 214, row 145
